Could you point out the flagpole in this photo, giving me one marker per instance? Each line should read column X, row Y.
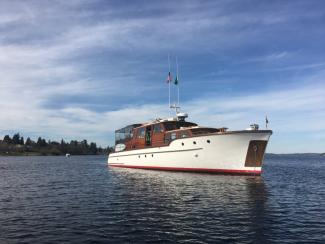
column 169, row 84
column 177, row 82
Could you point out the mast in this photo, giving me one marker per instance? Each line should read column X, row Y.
column 175, row 105
column 169, row 84
column 177, row 82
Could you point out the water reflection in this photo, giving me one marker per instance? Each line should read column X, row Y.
column 192, row 204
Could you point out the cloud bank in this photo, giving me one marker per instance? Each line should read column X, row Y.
column 81, row 69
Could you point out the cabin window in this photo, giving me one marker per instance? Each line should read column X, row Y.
column 141, row 132
column 173, row 136
column 125, row 134
column 170, row 137
column 167, row 138
column 198, row 131
column 157, row 128
column 173, row 125
column 184, row 134
column 170, row 126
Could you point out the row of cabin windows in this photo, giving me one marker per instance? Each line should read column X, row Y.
column 157, row 128
column 127, row 133
column 172, row 136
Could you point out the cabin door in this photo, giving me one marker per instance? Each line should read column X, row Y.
column 158, row 135
column 148, row 136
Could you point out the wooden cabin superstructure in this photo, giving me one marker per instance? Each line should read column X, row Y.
column 159, row 133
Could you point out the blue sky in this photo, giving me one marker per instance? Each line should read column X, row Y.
column 81, row 69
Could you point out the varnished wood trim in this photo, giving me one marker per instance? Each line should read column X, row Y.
column 255, row 153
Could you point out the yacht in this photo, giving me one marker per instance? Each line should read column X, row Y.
column 175, row 144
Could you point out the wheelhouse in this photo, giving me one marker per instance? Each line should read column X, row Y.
column 125, row 134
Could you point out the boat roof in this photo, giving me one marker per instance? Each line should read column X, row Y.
column 127, row 128
column 179, row 124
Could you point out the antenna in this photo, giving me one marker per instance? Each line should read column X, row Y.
column 177, row 80
column 175, row 105
column 169, row 83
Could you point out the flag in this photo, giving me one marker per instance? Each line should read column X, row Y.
column 169, row 78
column 266, row 121
column 176, row 80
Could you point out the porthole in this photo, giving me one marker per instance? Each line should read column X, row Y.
column 194, row 142
column 151, row 155
column 208, row 141
column 145, row 156
column 138, row 156
column 182, row 143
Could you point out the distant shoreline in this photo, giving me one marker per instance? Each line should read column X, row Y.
column 42, row 154
column 18, row 146
column 26, row 154
column 279, row 154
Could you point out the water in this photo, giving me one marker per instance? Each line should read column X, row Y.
column 81, row 200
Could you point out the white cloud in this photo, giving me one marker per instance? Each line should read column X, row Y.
column 293, row 111
column 269, row 58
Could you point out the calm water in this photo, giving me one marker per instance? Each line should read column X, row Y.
column 81, row 200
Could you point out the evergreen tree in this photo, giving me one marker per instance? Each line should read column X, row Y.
column 7, row 139
column 93, row 148
column 28, row 142
column 85, row 143
column 16, row 139
column 41, row 142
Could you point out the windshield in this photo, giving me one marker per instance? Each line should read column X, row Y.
column 125, row 134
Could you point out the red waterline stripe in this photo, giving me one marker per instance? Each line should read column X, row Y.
column 229, row 171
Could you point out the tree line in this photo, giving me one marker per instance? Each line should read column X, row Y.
column 17, row 145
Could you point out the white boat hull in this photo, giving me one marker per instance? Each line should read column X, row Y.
column 219, row 153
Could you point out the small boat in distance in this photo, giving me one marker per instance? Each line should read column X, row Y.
column 177, row 145
column 67, row 155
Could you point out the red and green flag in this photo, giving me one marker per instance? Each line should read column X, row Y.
column 169, row 77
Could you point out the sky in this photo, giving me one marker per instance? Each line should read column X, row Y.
column 82, row 69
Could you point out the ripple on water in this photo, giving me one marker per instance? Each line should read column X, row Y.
column 81, row 200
